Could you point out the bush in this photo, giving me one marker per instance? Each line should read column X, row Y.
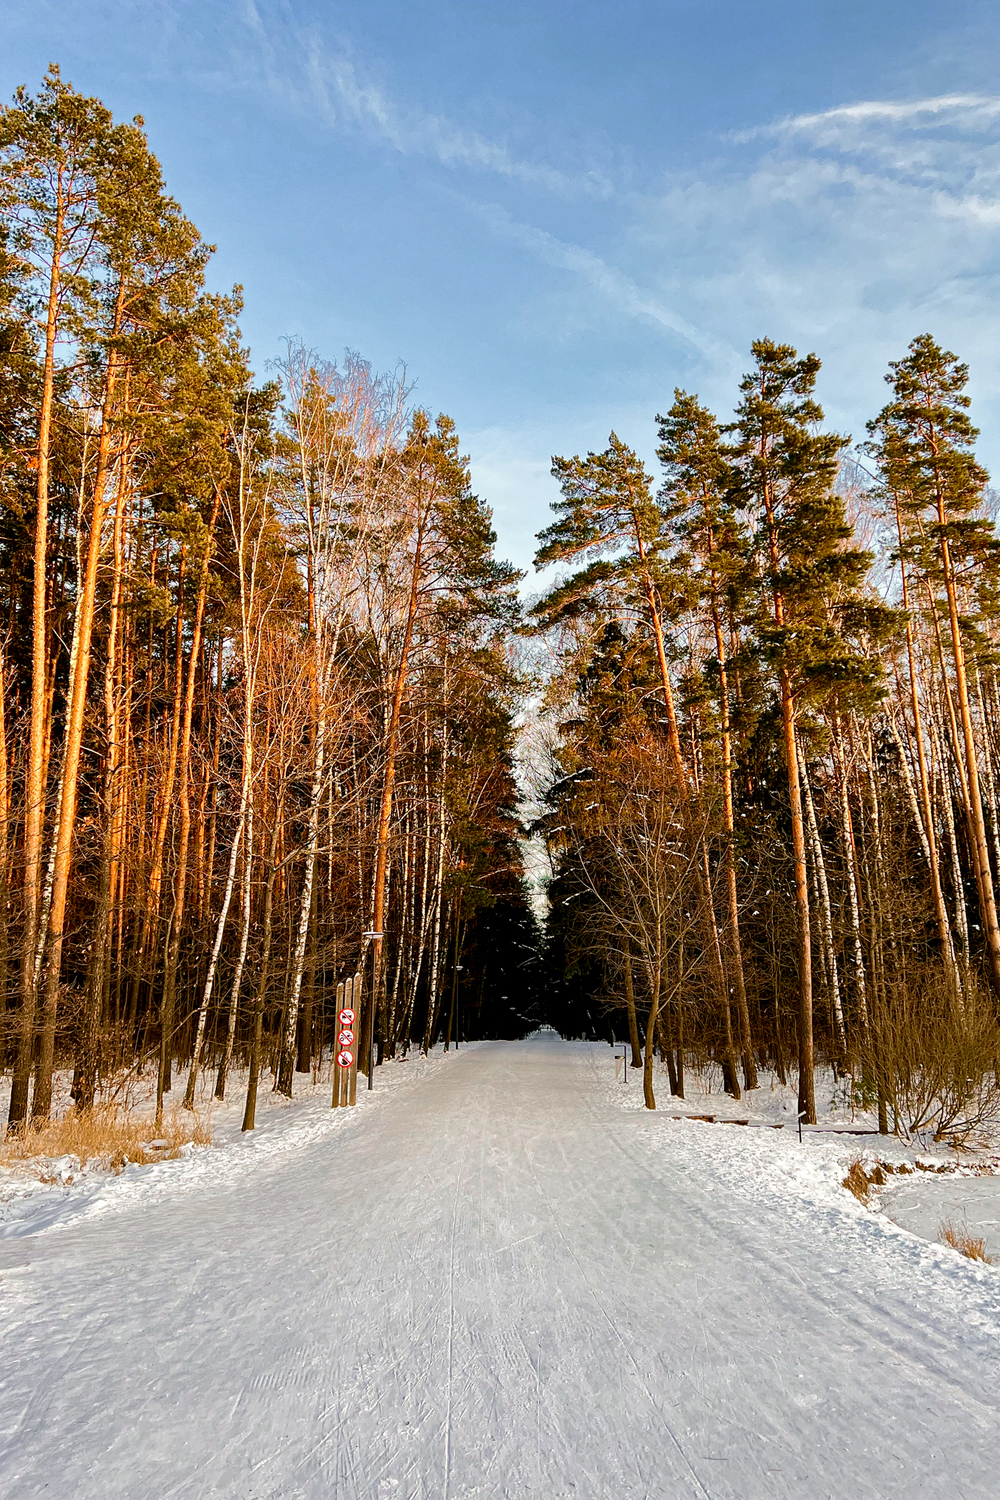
column 937, row 1059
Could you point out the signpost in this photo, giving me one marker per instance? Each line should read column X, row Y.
column 345, row 1070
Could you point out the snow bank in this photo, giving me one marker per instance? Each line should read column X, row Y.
column 68, row 1191
column 762, row 1163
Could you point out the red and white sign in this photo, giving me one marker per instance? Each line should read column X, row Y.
column 346, row 1038
column 344, row 1059
column 347, row 1017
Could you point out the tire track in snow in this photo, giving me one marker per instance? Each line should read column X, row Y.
column 451, row 1324
column 866, row 1230
column 485, row 1264
column 697, row 1485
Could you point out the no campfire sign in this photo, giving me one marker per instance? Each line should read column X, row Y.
column 345, row 1074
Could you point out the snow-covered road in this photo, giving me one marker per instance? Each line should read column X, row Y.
column 498, row 1283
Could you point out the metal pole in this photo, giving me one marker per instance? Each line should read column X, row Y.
column 371, row 1037
column 373, row 937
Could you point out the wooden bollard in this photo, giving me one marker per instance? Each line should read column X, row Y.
column 352, row 1072
column 345, row 1054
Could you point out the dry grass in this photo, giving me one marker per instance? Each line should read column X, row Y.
column 857, row 1182
column 959, row 1238
column 104, row 1137
column 861, row 1179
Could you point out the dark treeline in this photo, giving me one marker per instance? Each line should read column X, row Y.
column 256, row 705
column 772, row 803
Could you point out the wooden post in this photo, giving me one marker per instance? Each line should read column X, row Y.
column 345, row 1075
column 352, row 1072
column 337, row 1070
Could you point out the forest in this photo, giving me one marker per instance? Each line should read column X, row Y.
column 257, row 727
column 273, row 712
column 773, row 734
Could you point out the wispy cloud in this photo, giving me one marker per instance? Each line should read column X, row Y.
column 613, row 285
column 345, row 96
column 947, row 143
column 848, row 231
column 299, row 63
column 940, row 109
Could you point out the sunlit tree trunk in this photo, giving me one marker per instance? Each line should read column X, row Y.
column 83, row 627
column 40, row 721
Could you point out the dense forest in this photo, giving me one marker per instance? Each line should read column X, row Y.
column 259, row 707
column 256, row 708
column 772, row 804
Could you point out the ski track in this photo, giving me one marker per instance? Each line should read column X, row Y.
column 496, row 1283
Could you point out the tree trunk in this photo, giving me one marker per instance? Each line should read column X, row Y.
column 97, row 968
column 168, row 1007
column 304, row 1062
column 213, row 962
column 930, row 833
column 807, row 1088
column 241, row 957
column 647, row 1063
column 305, row 906
column 980, row 848
column 851, row 871
column 253, row 1076
column 80, row 675
column 827, row 944
column 38, row 735
column 735, row 946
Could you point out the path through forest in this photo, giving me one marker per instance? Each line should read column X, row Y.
column 498, row 1284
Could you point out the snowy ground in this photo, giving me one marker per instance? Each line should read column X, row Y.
column 68, row 1185
column 494, row 1280
column 957, row 1187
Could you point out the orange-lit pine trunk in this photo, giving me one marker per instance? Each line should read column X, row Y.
column 169, row 1003
column 40, row 725
column 388, row 784
column 79, row 677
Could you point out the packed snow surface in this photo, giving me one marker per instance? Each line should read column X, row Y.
column 493, row 1280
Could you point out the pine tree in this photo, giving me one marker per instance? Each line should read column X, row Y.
column 809, row 582
column 925, row 442
column 53, row 160
column 696, row 495
column 609, row 516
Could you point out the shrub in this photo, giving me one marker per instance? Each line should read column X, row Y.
column 938, row 1059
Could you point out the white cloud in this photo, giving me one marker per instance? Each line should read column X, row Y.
column 848, row 232
column 968, row 108
column 613, row 286
column 296, row 63
column 947, row 143
column 345, row 96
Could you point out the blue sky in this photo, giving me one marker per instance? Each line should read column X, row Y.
column 555, row 212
